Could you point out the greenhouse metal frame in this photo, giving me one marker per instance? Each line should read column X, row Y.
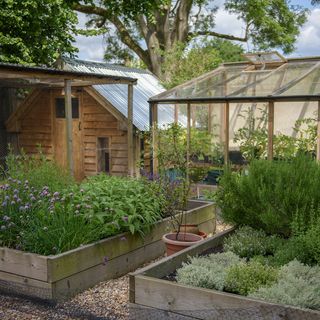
column 265, row 77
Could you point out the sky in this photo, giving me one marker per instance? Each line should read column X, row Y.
column 308, row 43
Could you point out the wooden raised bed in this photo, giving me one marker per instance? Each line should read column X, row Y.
column 152, row 297
column 61, row 276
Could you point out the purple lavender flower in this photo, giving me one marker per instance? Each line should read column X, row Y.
column 13, row 203
column 125, row 219
column 18, row 181
column 33, row 199
column 78, row 206
column 21, row 208
column 56, row 194
column 88, row 206
column 27, row 207
column 15, row 191
column 15, row 197
column 6, row 218
column 105, row 260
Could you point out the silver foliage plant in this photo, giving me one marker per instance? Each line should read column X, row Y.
column 298, row 285
column 209, row 271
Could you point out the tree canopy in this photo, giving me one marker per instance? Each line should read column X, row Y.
column 157, row 27
column 181, row 66
column 35, row 31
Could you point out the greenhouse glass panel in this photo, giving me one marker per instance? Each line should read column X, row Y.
column 275, row 80
column 208, row 85
column 308, row 85
column 265, row 57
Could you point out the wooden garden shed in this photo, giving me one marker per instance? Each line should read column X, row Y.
column 102, row 138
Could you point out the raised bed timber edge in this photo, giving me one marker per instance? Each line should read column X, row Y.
column 61, row 276
column 152, row 297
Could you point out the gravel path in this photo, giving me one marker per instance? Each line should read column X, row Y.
column 106, row 301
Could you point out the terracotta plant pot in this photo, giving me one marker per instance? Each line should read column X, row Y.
column 184, row 240
column 189, row 228
column 193, row 228
column 202, row 234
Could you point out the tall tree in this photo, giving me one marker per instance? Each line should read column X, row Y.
column 35, row 31
column 164, row 24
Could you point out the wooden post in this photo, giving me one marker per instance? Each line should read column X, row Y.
column 188, row 136
column 154, row 126
column 226, row 132
column 176, row 113
column 130, row 131
column 68, row 108
column 318, row 133
column 210, row 118
column 270, row 129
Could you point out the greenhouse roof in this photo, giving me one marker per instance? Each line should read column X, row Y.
column 264, row 77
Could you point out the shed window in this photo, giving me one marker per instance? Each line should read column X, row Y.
column 104, row 158
column 61, row 110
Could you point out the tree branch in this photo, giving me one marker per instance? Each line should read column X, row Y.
column 125, row 36
column 220, row 35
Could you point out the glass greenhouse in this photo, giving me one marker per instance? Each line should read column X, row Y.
column 267, row 92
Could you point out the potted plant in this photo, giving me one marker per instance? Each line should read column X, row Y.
column 171, row 154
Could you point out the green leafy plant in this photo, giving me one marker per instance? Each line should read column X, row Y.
column 253, row 137
column 37, row 170
column 209, row 271
column 247, row 278
column 298, row 285
column 45, row 221
column 120, row 204
column 269, row 194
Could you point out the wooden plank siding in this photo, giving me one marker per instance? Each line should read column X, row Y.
column 98, row 122
column 36, row 126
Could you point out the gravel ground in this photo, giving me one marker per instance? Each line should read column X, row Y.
column 106, row 301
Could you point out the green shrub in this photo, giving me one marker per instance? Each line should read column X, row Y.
column 298, row 285
column 293, row 248
column 38, row 171
column 246, row 278
column 207, row 272
column 120, row 204
column 46, row 221
column 304, row 246
column 53, row 233
column 270, row 194
column 40, row 221
column 247, row 242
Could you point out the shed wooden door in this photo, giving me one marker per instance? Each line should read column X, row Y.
column 60, row 133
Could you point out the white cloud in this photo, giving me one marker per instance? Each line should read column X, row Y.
column 90, row 48
column 308, row 43
column 228, row 23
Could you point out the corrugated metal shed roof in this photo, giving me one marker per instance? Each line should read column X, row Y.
column 117, row 94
